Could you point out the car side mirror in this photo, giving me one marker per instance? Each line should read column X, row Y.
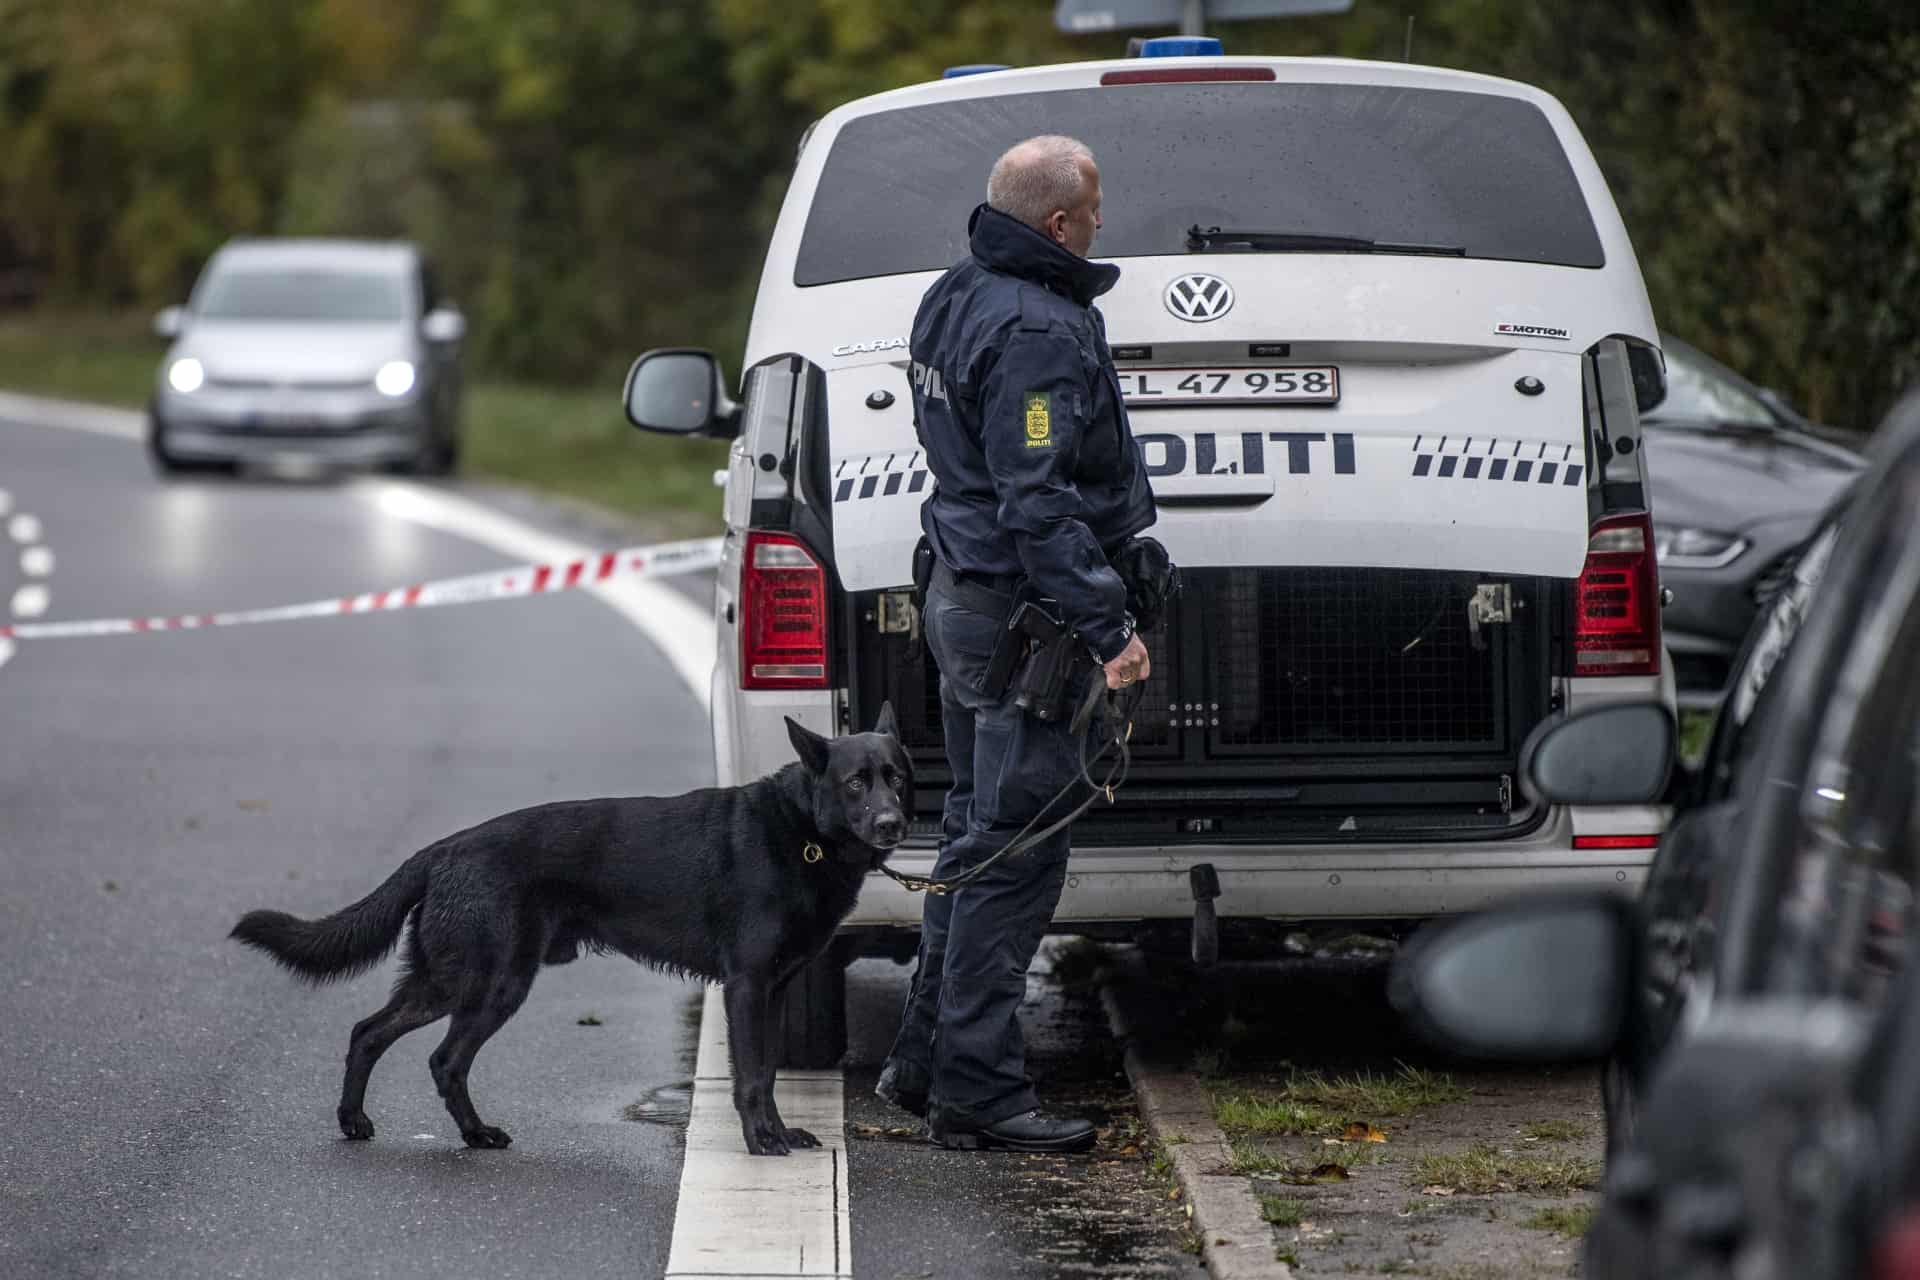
column 1545, row 980
column 443, row 325
column 169, row 322
column 678, row 391
column 1616, row 754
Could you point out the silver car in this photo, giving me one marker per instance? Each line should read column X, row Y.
column 330, row 352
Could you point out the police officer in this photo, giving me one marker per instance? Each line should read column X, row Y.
column 1039, row 482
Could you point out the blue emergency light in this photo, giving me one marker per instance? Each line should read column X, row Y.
column 1181, row 47
column 972, row 69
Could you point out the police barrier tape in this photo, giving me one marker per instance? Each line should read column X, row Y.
column 658, row 561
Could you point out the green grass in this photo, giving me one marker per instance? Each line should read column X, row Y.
column 1268, row 1116
column 1555, row 1131
column 1309, row 1103
column 1483, row 1169
column 1696, row 731
column 1369, row 1095
column 1570, row 1221
column 1282, row 1211
column 1251, row 1161
column 573, row 441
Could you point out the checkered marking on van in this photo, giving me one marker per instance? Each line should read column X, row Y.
column 879, row 475
column 1490, row 459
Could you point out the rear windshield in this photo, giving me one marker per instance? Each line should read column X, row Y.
column 302, row 293
column 1421, row 166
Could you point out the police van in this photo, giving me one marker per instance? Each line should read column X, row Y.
column 1384, row 344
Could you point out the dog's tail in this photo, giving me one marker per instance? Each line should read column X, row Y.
column 351, row 940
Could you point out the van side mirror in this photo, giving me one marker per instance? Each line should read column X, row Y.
column 443, row 325
column 1546, row 980
column 678, row 391
column 169, row 322
column 1618, row 754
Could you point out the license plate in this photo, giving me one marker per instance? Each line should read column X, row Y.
column 1306, row 384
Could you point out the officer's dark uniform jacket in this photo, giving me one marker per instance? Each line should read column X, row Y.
column 1020, row 414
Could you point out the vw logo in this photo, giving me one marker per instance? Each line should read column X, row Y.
column 1199, row 298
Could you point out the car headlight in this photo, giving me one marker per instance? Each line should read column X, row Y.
column 1697, row 548
column 186, row 375
column 394, row 379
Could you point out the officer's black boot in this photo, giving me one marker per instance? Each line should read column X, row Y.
column 1029, row 1131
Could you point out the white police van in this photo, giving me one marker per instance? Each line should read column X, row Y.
column 1385, row 344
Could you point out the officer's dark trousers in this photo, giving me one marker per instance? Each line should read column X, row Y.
column 960, row 1033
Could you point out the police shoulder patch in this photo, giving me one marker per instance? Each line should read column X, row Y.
column 1039, row 421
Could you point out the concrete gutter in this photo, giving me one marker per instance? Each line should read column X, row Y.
column 1235, row 1240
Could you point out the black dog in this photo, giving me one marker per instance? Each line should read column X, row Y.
column 740, row 885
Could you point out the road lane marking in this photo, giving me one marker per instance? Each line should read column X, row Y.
column 678, row 627
column 40, row 411
column 759, row 1217
column 37, row 562
column 24, row 528
column 6, row 502
column 31, row 600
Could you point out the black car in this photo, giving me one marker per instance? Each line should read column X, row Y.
column 1738, row 480
column 1758, row 1022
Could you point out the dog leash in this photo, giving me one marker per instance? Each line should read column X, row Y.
column 1022, row 841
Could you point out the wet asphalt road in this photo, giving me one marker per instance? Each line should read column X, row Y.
column 167, row 1098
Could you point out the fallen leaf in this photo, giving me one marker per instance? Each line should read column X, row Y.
column 253, row 806
column 1361, row 1131
column 1328, row 1172
column 588, row 1020
column 1437, row 1191
column 1129, row 1150
column 1173, row 1194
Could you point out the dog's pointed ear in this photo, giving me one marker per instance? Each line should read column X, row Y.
column 885, row 723
column 811, row 747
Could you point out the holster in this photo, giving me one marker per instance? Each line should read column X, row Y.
column 1054, row 652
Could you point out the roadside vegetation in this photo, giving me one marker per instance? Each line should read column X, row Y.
column 1484, row 1169
column 1571, row 1221
column 567, row 440
column 1314, row 1104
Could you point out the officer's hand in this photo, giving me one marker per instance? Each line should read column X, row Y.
column 1130, row 667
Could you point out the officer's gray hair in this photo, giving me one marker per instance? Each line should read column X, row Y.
column 1037, row 178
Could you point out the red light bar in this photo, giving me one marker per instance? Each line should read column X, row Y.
column 1187, row 75
column 1616, row 842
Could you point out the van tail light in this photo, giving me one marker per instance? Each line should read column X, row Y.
column 1617, row 601
column 783, row 615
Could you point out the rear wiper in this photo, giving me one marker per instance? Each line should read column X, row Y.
column 1216, row 239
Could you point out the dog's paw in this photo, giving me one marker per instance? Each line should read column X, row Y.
column 765, row 1142
column 487, row 1138
column 800, row 1138
column 356, row 1125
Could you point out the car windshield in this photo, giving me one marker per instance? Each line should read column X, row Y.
column 1697, row 391
column 1478, row 172
column 302, row 293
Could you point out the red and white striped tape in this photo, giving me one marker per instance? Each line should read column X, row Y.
column 497, row 584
